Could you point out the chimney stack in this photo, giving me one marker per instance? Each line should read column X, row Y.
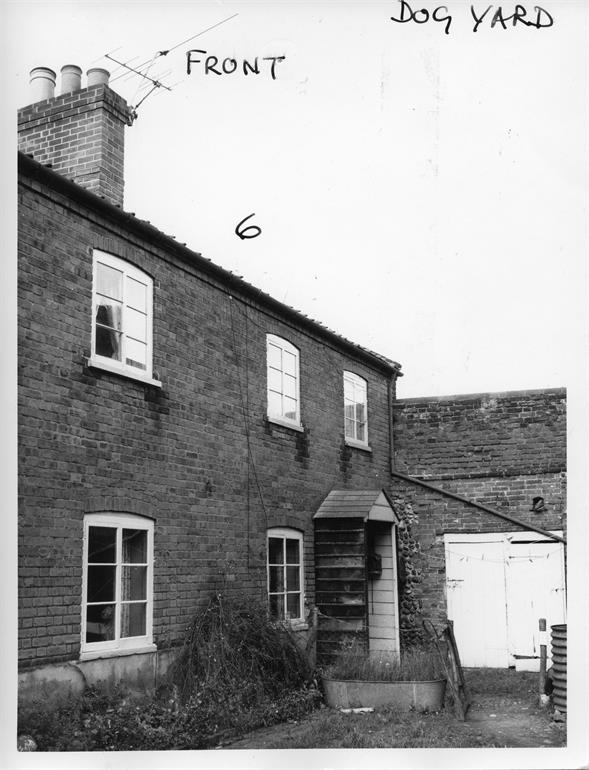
column 80, row 133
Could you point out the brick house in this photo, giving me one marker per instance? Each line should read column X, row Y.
column 178, row 428
column 182, row 433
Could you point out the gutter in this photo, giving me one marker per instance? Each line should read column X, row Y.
column 479, row 506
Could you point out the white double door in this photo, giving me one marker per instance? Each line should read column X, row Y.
column 498, row 586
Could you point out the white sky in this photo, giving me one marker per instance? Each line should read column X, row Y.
column 422, row 194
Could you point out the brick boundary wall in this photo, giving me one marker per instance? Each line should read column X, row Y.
column 499, row 449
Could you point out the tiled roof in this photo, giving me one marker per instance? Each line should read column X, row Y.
column 372, row 504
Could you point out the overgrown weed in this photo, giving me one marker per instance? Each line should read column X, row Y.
column 237, row 671
column 415, row 664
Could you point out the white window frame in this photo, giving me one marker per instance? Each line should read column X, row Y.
column 109, row 364
column 285, row 533
column 118, row 645
column 360, row 386
column 285, row 347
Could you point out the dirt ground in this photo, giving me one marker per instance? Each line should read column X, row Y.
column 513, row 723
column 510, row 719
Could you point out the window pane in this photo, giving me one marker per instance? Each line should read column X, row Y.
column 361, row 412
column 134, row 546
column 290, row 386
column 275, row 380
column 100, row 622
column 101, row 583
column 292, row 551
column 349, row 410
column 350, row 430
column 276, row 602
column 133, row 620
column 274, row 356
column 136, row 325
column 348, row 390
column 293, row 605
column 293, row 579
column 274, row 404
column 360, row 431
column 109, row 281
column 276, row 578
column 136, row 294
column 102, row 545
column 134, row 583
column 275, row 550
column 108, row 343
column 108, row 313
column 135, row 353
column 290, row 408
column 289, row 363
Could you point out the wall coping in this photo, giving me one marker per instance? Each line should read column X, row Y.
column 503, row 394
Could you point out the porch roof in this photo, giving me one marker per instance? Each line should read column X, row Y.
column 365, row 504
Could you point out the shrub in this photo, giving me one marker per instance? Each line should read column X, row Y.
column 237, row 671
column 415, row 664
column 234, row 647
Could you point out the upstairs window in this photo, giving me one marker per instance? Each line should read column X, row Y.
column 355, row 409
column 283, row 381
column 121, row 317
column 285, row 574
column 118, row 579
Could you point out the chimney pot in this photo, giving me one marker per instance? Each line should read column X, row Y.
column 42, row 84
column 97, row 77
column 71, row 78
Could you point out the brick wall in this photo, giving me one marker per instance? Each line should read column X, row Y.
column 490, row 434
column 81, row 134
column 499, row 449
column 94, row 441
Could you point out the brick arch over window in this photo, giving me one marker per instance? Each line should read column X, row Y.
column 119, row 504
column 125, row 251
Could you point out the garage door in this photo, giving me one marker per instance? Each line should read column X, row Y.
column 498, row 585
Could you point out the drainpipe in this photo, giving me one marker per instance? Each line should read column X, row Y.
column 391, row 400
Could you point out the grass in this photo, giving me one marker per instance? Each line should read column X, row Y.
column 498, row 681
column 383, row 729
column 416, row 664
column 388, row 728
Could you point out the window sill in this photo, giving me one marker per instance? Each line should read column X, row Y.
column 118, row 653
column 358, row 445
column 94, row 363
column 286, row 424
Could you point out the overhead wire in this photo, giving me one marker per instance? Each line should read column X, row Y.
column 165, row 52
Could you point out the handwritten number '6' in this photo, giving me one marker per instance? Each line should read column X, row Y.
column 243, row 232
